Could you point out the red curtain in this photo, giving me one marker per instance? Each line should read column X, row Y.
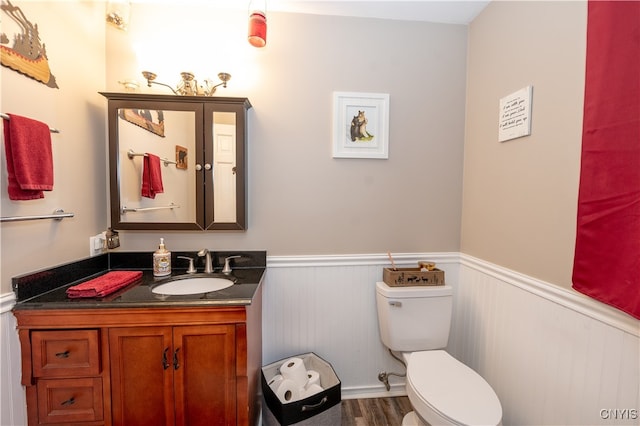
column 607, row 255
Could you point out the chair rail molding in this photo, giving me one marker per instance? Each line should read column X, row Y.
column 565, row 297
column 7, row 300
column 371, row 259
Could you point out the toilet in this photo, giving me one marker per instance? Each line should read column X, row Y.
column 443, row 391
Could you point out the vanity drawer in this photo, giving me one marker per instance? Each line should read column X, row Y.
column 72, row 353
column 65, row 401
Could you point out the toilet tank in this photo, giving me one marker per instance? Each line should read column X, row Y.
column 414, row 318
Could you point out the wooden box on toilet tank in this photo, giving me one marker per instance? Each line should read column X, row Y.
column 405, row 277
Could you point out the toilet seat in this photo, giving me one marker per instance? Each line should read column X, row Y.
column 439, row 384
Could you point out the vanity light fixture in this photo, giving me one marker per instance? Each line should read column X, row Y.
column 118, row 13
column 129, row 85
column 189, row 86
column 257, row 23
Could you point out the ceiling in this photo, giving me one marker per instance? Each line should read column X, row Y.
column 444, row 11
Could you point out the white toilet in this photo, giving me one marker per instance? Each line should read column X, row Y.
column 443, row 391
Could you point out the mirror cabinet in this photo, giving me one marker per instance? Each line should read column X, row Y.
column 177, row 162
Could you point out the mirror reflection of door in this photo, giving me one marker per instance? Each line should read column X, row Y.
column 224, row 167
column 179, row 184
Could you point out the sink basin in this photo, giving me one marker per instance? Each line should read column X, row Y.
column 192, row 286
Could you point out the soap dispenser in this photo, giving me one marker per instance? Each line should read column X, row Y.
column 161, row 261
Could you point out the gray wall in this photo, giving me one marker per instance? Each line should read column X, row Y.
column 74, row 38
column 301, row 200
column 520, row 196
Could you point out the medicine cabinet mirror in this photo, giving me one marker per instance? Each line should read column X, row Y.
column 201, row 146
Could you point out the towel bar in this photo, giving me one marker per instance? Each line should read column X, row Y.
column 58, row 214
column 126, row 209
column 6, row 117
column 132, row 154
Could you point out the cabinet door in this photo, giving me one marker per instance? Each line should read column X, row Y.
column 225, row 136
column 141, row 376
column 179, row 146
column 205, row 375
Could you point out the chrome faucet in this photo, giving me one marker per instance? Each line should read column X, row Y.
column 227, row 266
column 207, row 260
column 191, row 269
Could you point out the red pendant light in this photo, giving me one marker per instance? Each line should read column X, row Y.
column 257, row 23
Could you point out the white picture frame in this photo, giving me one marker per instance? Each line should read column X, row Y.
column 360, row 125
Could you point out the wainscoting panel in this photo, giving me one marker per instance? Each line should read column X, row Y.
column 553, row 357
column 327, row 305
column 13, row 405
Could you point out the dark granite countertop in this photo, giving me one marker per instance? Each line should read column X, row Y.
column 47, row 289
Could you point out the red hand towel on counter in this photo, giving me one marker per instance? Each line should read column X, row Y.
column 104, row 284
column 27, row 146
column 151, row 176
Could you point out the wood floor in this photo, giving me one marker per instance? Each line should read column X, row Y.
column 375, row 411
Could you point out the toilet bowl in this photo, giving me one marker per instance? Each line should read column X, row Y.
column 415, row 321
column 444, row 391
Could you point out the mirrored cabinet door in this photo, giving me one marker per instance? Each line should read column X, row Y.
column 224, row 167
column 177, row 162
column 225, row 185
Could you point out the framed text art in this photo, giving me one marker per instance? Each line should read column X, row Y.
column 515, row 115
column 360, row 125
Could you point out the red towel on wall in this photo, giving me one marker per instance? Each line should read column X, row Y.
column 151, row 176
column 104, row 284
column 27, row 145
column 607, row 255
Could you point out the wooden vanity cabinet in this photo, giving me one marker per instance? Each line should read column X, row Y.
column 156, row 366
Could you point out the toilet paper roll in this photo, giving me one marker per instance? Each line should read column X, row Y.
column 313, row 378
column 275, row 382
column 311, row 390
column 294, row 369
column 288, row 391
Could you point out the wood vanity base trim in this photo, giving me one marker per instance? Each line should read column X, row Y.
column 25, row 342
column 83, row 318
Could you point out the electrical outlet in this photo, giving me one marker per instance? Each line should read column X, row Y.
column 96, row 245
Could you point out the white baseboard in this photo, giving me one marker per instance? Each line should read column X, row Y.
column 365, row 392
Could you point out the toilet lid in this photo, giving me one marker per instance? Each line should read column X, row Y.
column 450, row 388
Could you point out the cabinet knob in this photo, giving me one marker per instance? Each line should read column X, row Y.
column 198, row 167
column 207, row 166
